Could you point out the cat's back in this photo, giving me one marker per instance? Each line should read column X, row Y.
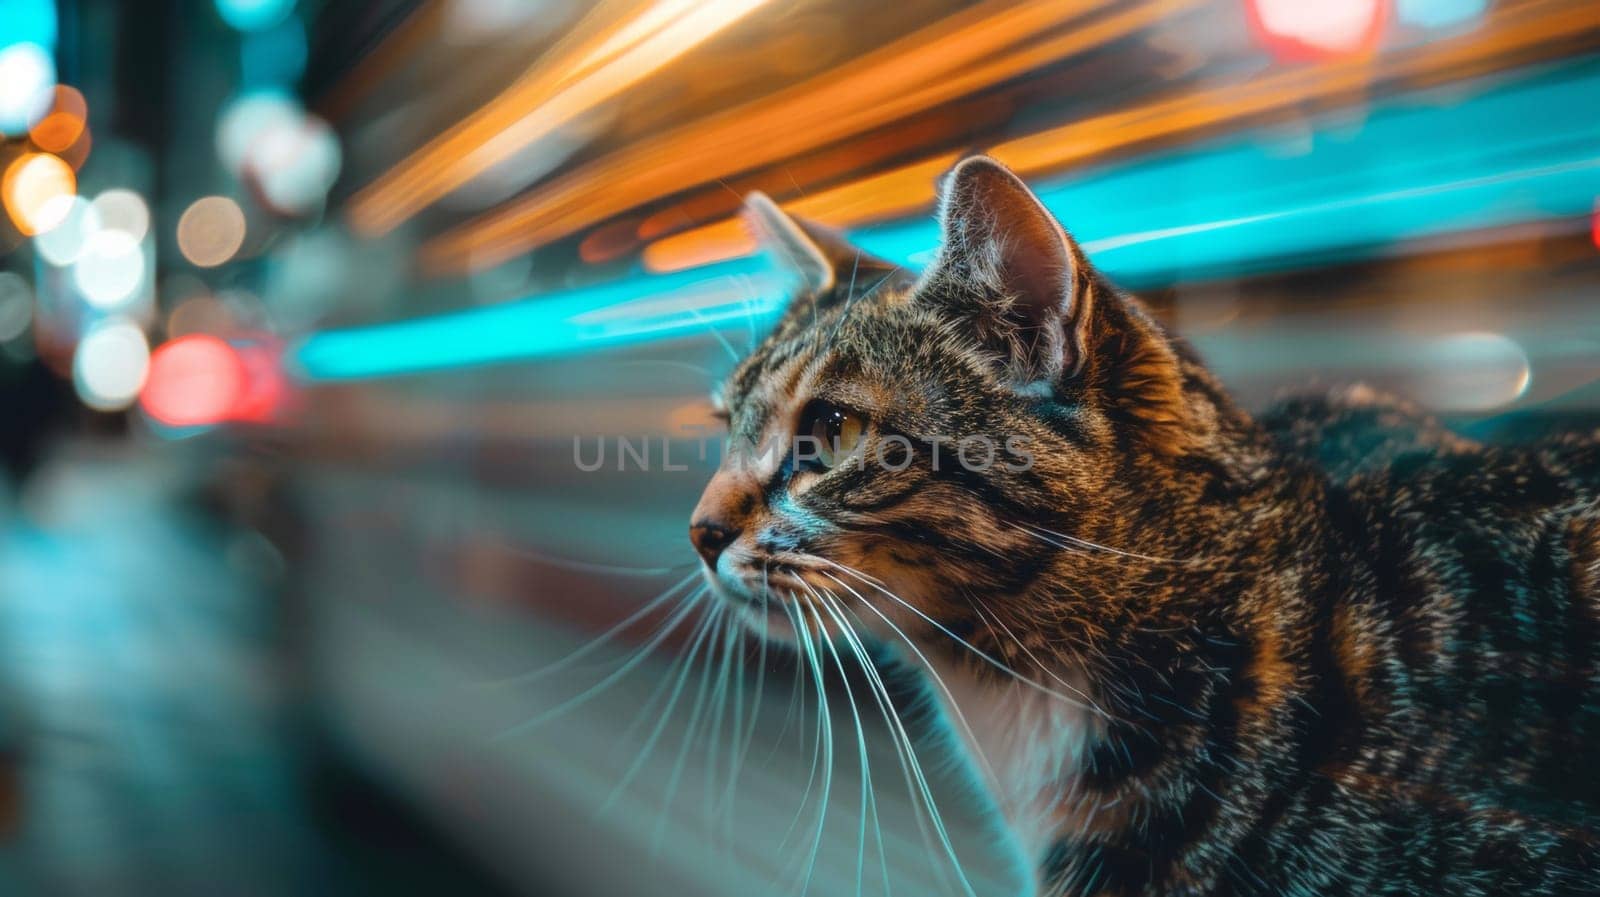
column 1477, row 612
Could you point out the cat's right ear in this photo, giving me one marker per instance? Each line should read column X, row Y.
column 820, row 256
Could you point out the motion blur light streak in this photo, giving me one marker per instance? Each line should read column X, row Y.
column 911, row 188
column 195, row 380
column 562, row 86
column 211, row 230
column 110, row 364
column 577, row 320
column 1459, row 169
column 34, row 188
column 878, row 197
column 973, row 50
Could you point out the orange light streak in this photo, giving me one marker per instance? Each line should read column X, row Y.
column 613, row 48
column 1511, row 36
column 973, row 50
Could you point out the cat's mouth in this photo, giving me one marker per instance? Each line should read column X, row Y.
column 771, row 594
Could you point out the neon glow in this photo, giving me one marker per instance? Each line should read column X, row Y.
column 1418, row 168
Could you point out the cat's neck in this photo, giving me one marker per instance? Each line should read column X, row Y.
column 1027, row 742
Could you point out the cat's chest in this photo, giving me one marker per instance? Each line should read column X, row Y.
column 1027, row 744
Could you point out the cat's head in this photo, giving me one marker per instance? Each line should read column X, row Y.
column 956, row 444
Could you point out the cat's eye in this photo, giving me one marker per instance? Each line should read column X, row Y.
column 834, row 432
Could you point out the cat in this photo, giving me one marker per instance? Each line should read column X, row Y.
column 1336, row 650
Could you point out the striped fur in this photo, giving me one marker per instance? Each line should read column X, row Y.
column 1334, row 651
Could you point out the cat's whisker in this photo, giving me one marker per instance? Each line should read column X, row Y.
column 678, row 676
column 1086, row 703
column 816, row 742
column 594, row 644
column 1096, row 546
column 979, row 607
column 861, row 749
column 633, row 662
column 719, row 705
column 903, row 752
column 712, row 329
column 923, row 788
column 826, row 721
column 690, row 730
column 933, row 674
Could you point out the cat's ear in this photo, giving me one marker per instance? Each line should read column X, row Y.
column 820, row 256
column 1006, row 264
column 1004, row 250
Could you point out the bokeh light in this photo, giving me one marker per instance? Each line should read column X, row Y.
column 1472, row 371
column 246, row 118
column 16, row 306
column 27, row 86
column 110, row 269
column 211, row 230
column 194, row 380
column 294, row 163
column 200, row 312
column 1301, row 30
column 110, row 364
column 250, row 15
column 123, row 210
column 64, row 242
column 34, row 188
column 58, row 130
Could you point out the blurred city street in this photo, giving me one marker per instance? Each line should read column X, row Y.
column 309, row 312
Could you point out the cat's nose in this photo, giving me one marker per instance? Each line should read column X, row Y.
column 709, row 538
column 722, row 513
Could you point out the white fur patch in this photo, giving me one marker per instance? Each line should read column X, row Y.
column 1027, row 745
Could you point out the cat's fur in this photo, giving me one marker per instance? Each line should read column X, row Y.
column 1334, row 651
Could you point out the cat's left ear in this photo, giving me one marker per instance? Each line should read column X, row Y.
column 1004, row 252
column 1007, row 266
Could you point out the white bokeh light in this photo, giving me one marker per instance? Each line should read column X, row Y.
column 62, row 244
column 110, row 364
column 295, row 163
column 110, row 270
column 123, row 210
column 27, row 86
column 246, row 119
column 16, row 306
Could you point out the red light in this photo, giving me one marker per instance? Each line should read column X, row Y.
column 1301, row 30
column 194, row 381
column 1594, row 225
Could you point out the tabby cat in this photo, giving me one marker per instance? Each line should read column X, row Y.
column 1336, row 650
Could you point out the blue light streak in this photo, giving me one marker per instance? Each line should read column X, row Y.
column 1421, row 165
